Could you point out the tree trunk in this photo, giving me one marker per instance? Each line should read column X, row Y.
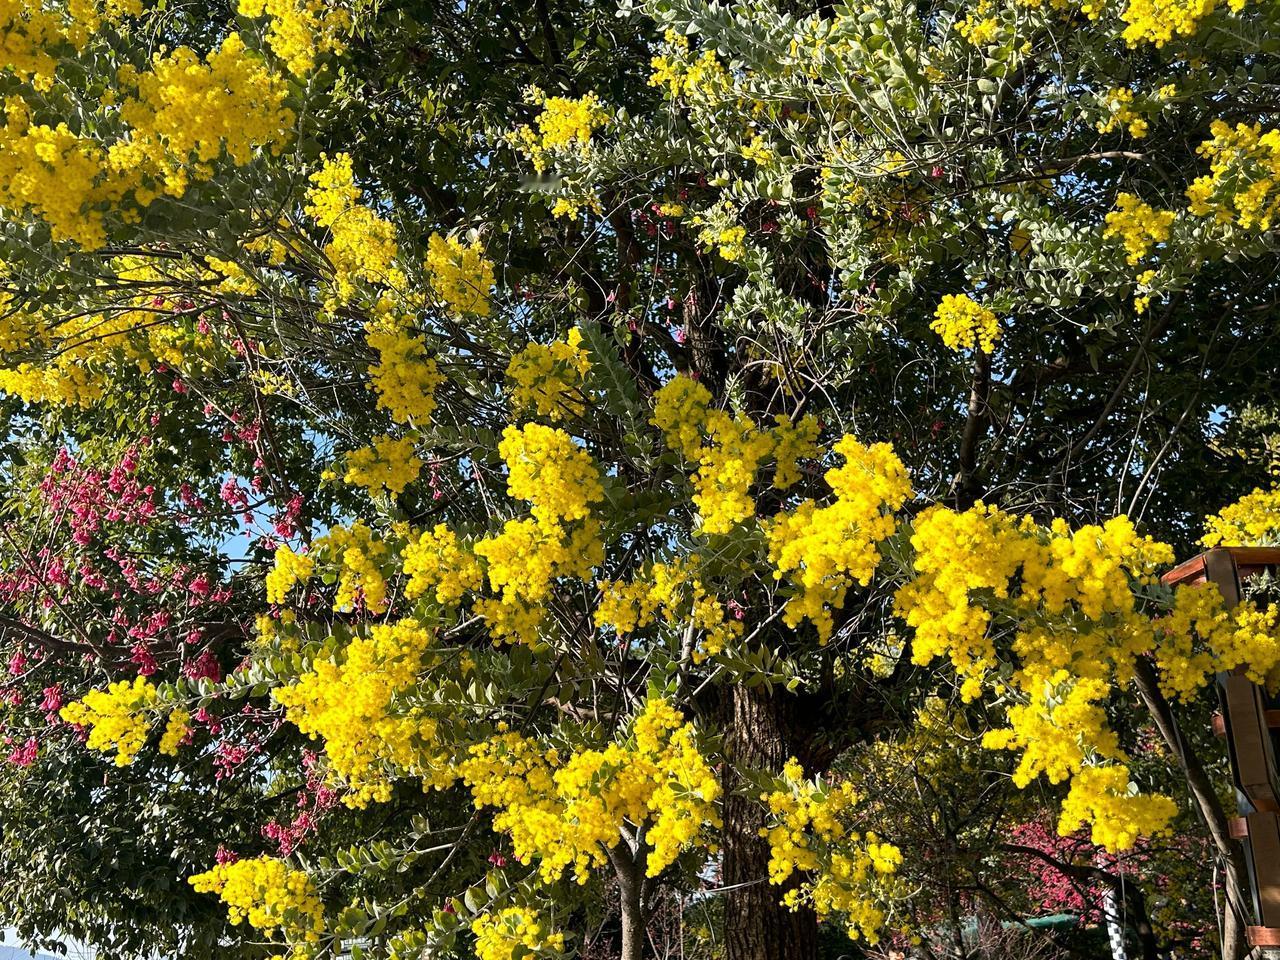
column 629, row 867
column 760, row 733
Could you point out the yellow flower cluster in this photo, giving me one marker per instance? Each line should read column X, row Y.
column 404, row 377
column 351, row 704
column 359, row 555
column 678, row 592
column 700, row 78
column 964, row 324
column 1244, row 184
column 845, row 871
column 436, row 562
column 182, row 114
column 561, row 481
column 730, row 457
column 300, row 30
column 1246, row 636
column 191, row 112
column 719, row 230
column 1119, row 104
column 175, row 731
column 547, row 380
column 514, row 932
column 55, row 174
column 460, row 275
column 1100, row 796
column 267, row 894
column 290, row 568
column 547, row 469
column 1252, row 521
column 793, row 442
column 362, row 245
column 116, row 717
column 387, row 464
column 1138, row 225
column 1158, row 21
column 568, row 814
column 824, row 550
column 563, row 124
column 32, row 29
column 1071, row 600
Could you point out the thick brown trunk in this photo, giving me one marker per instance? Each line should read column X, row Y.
column 760, row 733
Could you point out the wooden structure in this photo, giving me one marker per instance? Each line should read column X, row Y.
column 1250, row 722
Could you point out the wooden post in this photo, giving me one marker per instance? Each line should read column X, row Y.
column 1251, row 732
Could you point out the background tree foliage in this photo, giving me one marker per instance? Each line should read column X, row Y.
column 206, row 318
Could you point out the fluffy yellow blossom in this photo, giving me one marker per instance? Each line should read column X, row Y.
column 547, row 380
column 822, row 551
column 269, row 895
column 1139, row 225
column 514, row 932
column 386, row 464
column 290, row 568
column 1159, row 21
column 680, row 411
column 678, row 592
column 352, row 703
column 117, row 717
column 300, row 30
column 404, row 377
column 547, row 469
column 1252, row 521
column 1101, row 799
column 175, row 731
column 460, row 275
column 964, row 324
column 702, row 77
column 567, row 812
column 1119, row 104
column 1243, row 186
column 845, row 872
column 362, row 246
column 436, row 562
column 359, row 556
column 563, row 124
column 793, row 442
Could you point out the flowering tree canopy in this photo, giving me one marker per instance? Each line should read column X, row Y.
column 494, row 480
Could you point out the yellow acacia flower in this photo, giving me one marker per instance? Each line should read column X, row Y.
column 290, row 568
column 300, row 29
column 362, row 245
column 268, row 895
column 512, row 932
column 1138, row 225
column 844, row 872
column 386, row 464
column 351, row 704
column 1100, row 798
column 563, row 124
column 567, row 811
column 460, row 275
column 1252, row 521
column 548, row 380
column 1243, row 186
column 824, row 550
column 964, row 324
column 117, row 718
column 404, row 377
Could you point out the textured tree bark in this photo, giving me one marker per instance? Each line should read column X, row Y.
column 761, row 731
column 629, row 867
